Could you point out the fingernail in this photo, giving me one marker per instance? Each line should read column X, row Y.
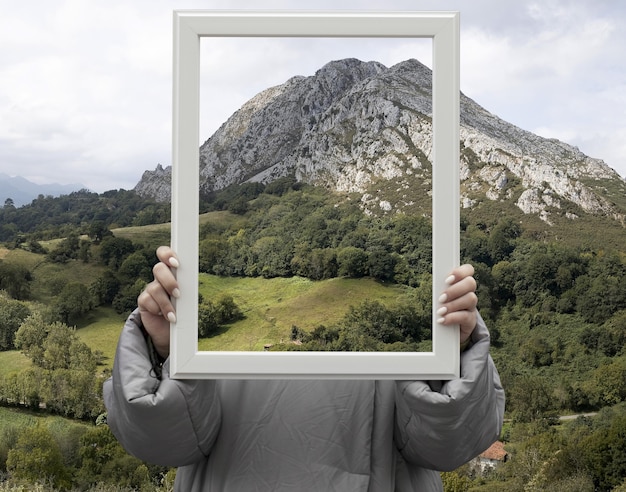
column 441, row 321
column 443, row 298
column 171, row 317
column 450, row 280
column 442, row 310
column 176, row 293
column 174, row 262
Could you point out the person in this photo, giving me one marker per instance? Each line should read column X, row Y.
column 301, row 435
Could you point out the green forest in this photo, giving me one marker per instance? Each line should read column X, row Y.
column 71, row 269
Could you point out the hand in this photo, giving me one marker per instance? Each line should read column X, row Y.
column 458, row 302
column 155, row 306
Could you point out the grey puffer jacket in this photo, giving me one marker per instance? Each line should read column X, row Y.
column 293, row 435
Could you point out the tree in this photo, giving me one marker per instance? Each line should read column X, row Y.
column 380, row 263
column 126, row 299
column 374, row 320
column 504, row 277
column 136, row 266
column 211, row 316
column 531, row 397
column 98, row 446
column 14, row 279
column 73, row 302
column 322, row 264
column 56, row 347
column 84, row 251
column 98, row 230
column 607, row 385
column 53, row 345
column 604, row 295
column 605, row 453
column 536, row 351
column 272, row 256
column 63, row 375
column 113, row 250
column 474, row 246
column 30, row 337
column 612, row 339
column 12, row 315
column 37, row 458
column 207, row 319
column 71, row 392
column 105, row 288
column 227, row 310
column 67, row 249
column 211, row 253
column 454, row 482
column 352, row 262
column 501, row 241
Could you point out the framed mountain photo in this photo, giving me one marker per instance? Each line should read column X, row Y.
column 442, row 28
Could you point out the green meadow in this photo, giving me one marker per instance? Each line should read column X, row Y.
column 273, row 306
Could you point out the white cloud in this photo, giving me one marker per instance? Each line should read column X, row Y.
column 560, row 74
column 85, row 87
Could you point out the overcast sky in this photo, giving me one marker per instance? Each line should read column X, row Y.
column 85, row 85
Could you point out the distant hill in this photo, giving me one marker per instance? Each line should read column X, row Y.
column 22, row 191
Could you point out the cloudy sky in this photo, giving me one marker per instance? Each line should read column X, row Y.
column 85, row 85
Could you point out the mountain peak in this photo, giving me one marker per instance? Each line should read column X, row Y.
column 361, row 127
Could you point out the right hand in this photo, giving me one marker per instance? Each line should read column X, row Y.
column 155, row 306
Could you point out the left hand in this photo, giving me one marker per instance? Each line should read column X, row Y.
column 457, row 304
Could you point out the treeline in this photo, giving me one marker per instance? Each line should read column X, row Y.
column 292, row 229
column 125, row 269
column 63, row 378
column 49, row 217
column 50, row 458
column 288, row 229
column 585, row 454
column 371, row 326
column 556, row 311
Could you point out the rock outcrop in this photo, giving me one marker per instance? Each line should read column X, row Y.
column 354, row 124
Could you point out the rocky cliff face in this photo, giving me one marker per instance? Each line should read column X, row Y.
column 156, row 184
column 355, row 125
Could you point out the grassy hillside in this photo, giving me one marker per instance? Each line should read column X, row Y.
column 12, row 361
column 49, row 278
column 159, row 234
column 101, row 330
column 152, row 235
column 272, row 306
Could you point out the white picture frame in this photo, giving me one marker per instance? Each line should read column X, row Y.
column 186, row 361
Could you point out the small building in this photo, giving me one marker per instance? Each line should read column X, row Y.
column 491, row 457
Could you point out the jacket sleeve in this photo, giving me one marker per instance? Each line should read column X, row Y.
column 158, row 419
column 442, row 425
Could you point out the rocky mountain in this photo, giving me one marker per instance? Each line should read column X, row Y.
column 362, row 127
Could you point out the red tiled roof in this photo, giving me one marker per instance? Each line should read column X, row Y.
column 495, row 452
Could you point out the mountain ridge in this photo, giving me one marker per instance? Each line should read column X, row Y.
column 22, row 191
column 354, row 125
